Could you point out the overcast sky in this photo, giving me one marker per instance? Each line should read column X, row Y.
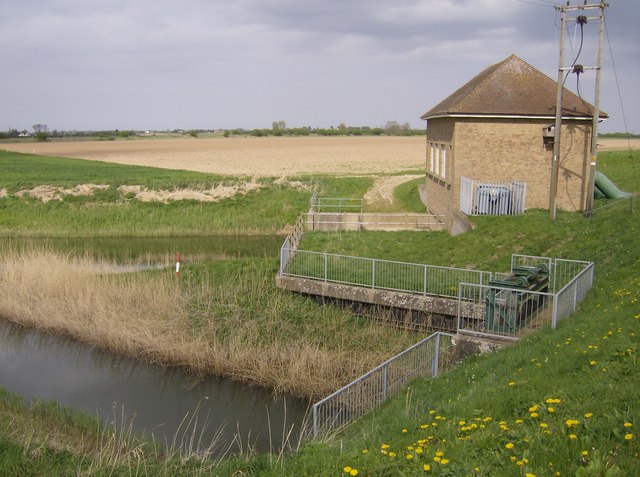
column 142, row 64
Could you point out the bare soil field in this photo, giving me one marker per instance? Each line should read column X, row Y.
column 259, row 157
column 249, row 156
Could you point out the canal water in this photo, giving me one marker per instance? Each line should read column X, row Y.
column 168, row 404
column 162, row 402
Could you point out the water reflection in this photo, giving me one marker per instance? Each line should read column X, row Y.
column 157, row 400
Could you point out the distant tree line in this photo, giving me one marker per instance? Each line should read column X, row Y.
column 278, row 128
column 620, row 135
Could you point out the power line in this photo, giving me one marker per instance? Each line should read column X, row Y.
column 624, row 116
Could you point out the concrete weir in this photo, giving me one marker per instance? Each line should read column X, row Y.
column 407, row 309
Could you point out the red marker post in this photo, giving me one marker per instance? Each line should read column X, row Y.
column 178, row 265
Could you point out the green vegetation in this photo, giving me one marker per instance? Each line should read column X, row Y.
column 407, row 197
column 111, row 213
column 561, row 402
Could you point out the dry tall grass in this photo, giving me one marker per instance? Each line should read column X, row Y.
column 204, row 328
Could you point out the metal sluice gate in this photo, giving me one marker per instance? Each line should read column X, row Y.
column 516, row 297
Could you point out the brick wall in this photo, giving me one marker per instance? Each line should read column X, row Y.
column 503, row 150
column 439, row 192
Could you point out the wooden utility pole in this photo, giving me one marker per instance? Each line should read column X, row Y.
column 553, row 189
column 562, row 70
column 596, row 117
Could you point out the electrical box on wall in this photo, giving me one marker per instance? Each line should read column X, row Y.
column 548, row 135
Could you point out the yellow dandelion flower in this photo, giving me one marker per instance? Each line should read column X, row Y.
column 437, row 459
column 509, row 445
column 419, row 450
column 384, row 446
column 571, row 422
column 584, row 453
column 424, row 426
column 534, row 415
column 426, row 467
column 462, row 423
column 628, row 436
column 512, row 383
column 392, row 454
column 572, row 436
column 588, row 415
column 544, row 425
column 404, row 431
column 476, row 469
column 439, row 453
column 365, row 451
column 519, row 421
column 432, row 412
column 628, row 424
column 520, row 463
column 593, row 362
column 529, row 474
column 444, row 461
column 409, row 456
column 513, row 458
column 551, row 409
column 347, row 469
column 353, row 472
column 534, row 408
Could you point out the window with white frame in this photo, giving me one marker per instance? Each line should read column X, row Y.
column 437, row 163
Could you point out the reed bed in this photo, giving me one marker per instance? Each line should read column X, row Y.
column 240, row 327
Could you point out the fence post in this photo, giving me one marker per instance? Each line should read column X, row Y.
column 282, row 258
column 385, row 380
column 326, row 265
column 373, row 273
column 554, row 312
column 425, row 280
column 315, row 422
column 436, row 359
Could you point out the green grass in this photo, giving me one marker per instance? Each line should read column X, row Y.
column 24, row 171
column 407, row 197
column 109, row 213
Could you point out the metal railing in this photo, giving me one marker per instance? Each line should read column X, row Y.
column 334, row 204
column 290, row 244
column 492, row 198
column 378, row 274
column 426, row 358
column 502, row 312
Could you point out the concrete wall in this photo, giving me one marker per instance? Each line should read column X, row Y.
column 432, row 311
column 332, row 222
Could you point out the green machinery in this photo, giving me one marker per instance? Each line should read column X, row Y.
column 511, row 302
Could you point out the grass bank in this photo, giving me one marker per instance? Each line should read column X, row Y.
column 268, row 208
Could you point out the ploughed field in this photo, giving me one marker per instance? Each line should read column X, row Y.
column 270, row 156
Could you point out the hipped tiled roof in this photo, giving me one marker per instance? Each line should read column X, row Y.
column 511, row 88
